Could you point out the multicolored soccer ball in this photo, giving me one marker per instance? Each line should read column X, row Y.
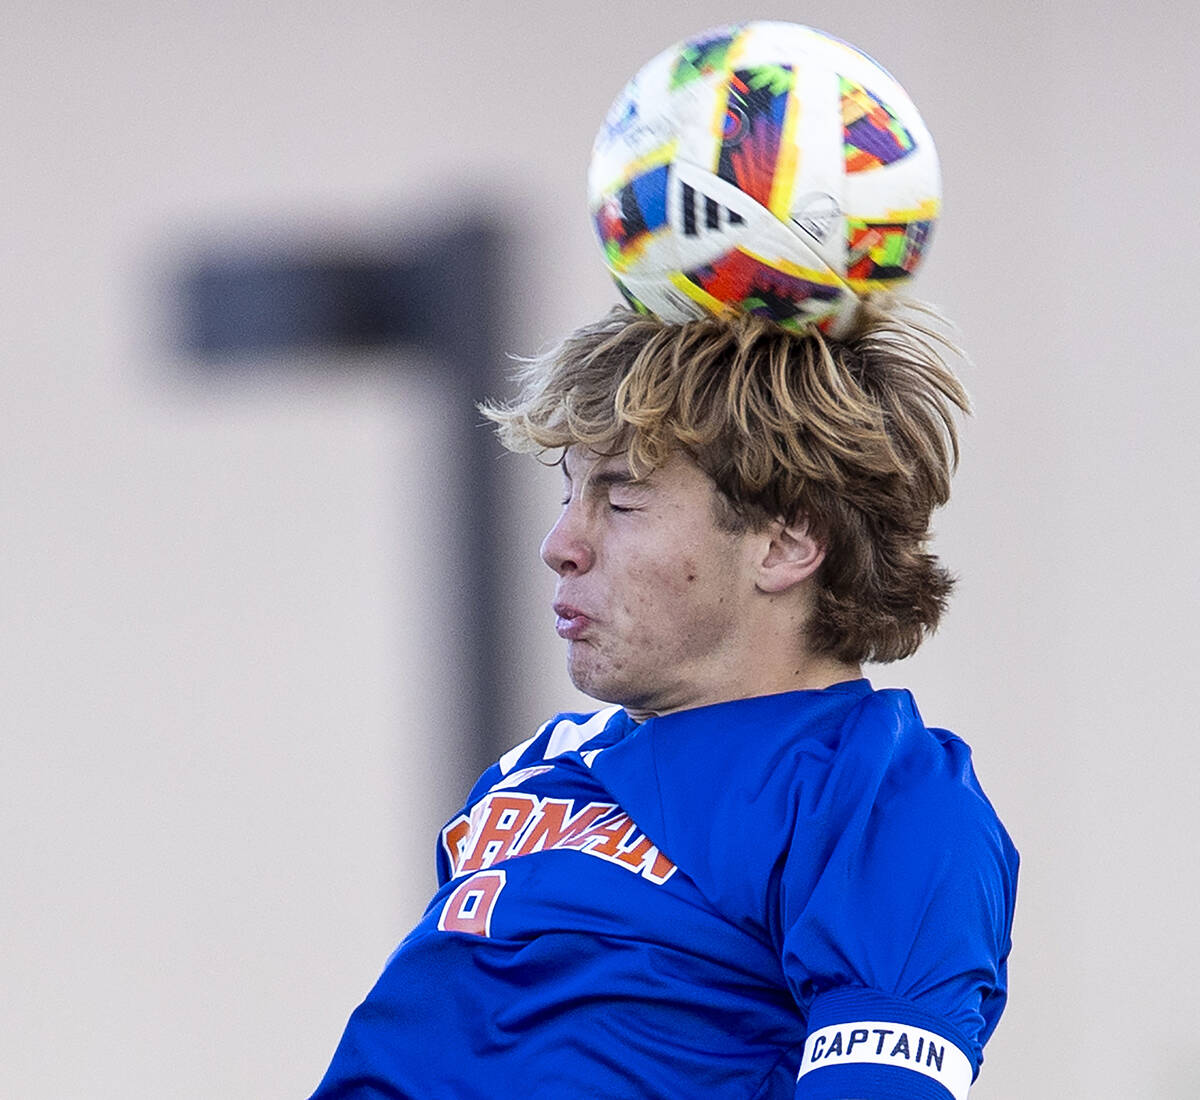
column 767, row 168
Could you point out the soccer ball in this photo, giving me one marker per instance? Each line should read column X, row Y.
column 764, row 167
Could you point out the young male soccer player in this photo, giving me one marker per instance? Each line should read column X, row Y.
column 751, row 875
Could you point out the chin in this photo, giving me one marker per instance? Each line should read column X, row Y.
column 593, row 682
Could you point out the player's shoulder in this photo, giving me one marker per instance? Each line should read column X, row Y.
column 568, row 731
column 924, row 779
column 565, row 732
column 888, row 735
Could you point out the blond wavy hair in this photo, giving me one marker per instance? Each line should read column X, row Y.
column 855, row 437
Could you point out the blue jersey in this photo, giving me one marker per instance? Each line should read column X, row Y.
column 802, row 895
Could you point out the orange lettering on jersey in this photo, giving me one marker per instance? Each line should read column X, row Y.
column 634, row 857
column 645, row 857
column 469, row 908
column 605, row 839
column 552, row 828
column 454, row 837
column 503, row 826
column 660, row 868
column 619, row 841
column 495, row 822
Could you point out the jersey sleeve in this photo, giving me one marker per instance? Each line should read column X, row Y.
column 895, row 943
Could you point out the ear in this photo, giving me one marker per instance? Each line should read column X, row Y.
column 793, row 555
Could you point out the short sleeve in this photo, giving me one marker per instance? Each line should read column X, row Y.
column 895, row 943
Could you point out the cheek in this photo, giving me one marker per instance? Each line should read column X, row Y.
column 682, row 577
column 706, row 584
column 670, row 597
column 684, row 584
column 655, row 595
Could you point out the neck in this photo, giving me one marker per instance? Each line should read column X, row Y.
column 811, row 673
column 821, row 672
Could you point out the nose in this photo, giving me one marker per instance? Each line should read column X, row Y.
column 567, row 547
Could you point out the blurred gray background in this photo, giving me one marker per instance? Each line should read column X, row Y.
column 228, row 598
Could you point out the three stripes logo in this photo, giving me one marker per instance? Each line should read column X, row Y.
column 696, row 208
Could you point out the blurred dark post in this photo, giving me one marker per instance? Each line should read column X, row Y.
column 446, row 296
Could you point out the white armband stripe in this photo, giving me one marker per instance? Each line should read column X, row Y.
column 878, row 1043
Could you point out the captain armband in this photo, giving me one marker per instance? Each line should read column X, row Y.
column 858, row 1048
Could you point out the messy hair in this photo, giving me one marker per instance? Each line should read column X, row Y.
column 855, row 437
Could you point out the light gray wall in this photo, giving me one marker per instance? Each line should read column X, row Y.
column 224, row 759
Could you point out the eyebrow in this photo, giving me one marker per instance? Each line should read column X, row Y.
column 608, row 477
column 616, row 477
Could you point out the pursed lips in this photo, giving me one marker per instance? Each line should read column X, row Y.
column 570, row 622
